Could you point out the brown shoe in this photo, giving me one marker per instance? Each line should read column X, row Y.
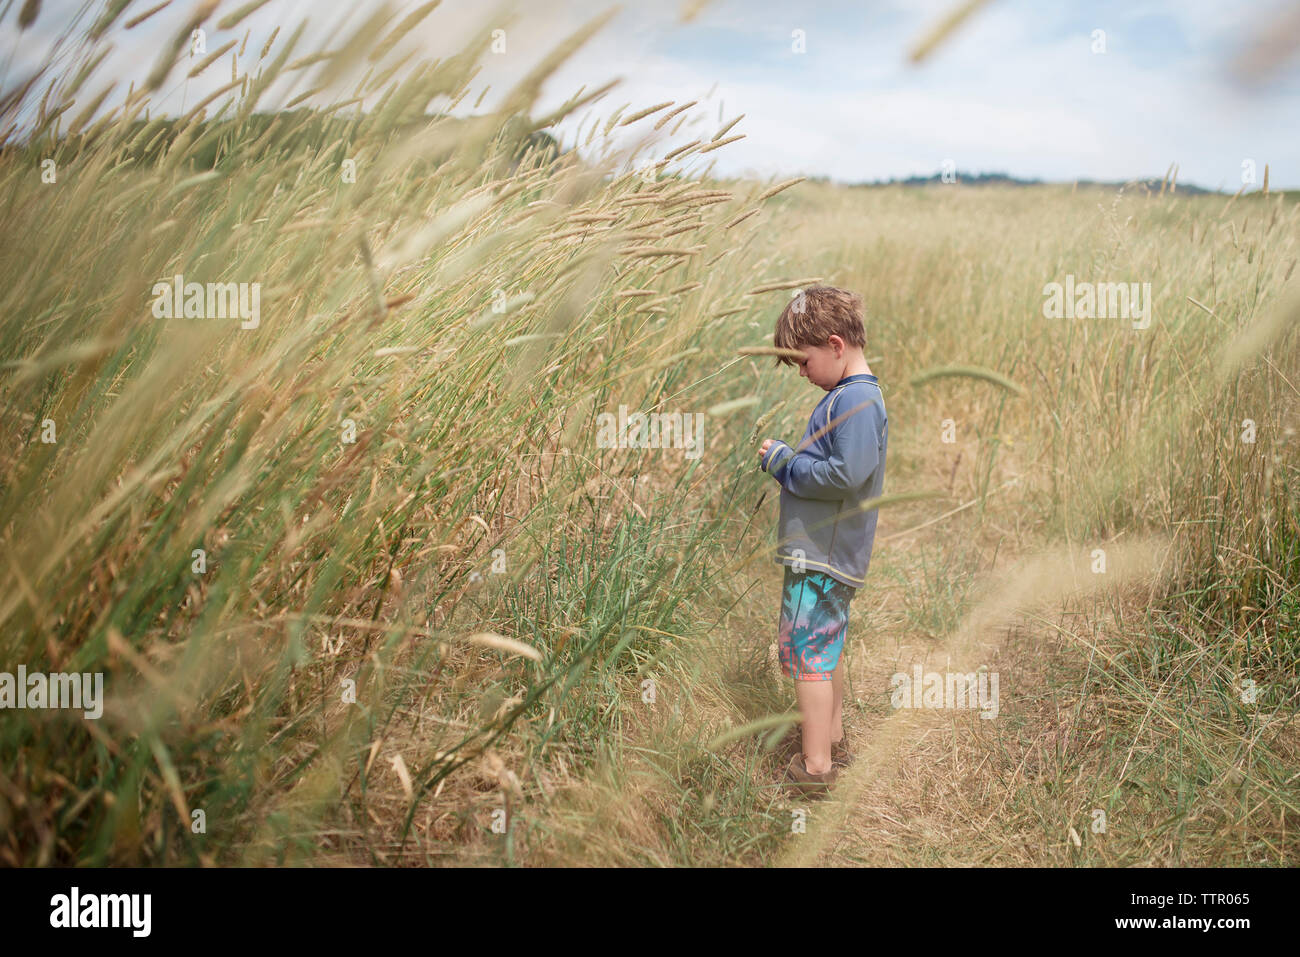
column 792, row 745
column 798, row 772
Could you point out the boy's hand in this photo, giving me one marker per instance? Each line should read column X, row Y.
column 777, row 450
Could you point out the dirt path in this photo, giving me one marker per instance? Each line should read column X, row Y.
column 906, row 753
column 934, row 785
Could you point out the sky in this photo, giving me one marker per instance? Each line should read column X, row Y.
column 826, row 88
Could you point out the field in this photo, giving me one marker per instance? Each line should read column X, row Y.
column 368, row 585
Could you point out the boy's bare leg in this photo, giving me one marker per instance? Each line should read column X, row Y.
column 816, row 705
column 837, row 713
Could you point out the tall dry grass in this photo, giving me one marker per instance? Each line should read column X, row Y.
column 498, row 586
column 400, row 458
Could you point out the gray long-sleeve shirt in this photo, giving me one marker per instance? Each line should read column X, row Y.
column 839, row 464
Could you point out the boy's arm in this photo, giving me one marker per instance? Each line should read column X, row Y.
column 854, row 456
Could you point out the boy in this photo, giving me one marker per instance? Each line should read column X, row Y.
column 825, row 537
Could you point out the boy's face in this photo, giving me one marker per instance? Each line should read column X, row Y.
column 824, row 365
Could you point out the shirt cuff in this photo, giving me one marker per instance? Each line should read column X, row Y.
column 777, row 458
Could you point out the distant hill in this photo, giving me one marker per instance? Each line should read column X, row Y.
column 1005, row 179
column 293, row 130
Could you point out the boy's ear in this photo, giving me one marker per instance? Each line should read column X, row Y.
column 837, row 344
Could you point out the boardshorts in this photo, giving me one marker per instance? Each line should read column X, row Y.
column 814, row 620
